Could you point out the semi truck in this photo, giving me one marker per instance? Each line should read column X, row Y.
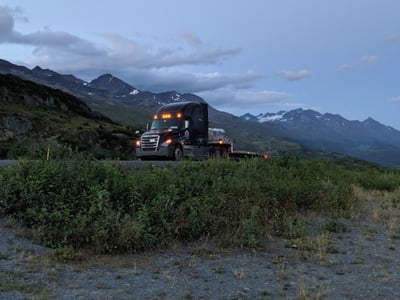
column 181, row 130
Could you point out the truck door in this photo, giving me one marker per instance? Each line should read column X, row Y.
column 199, row 127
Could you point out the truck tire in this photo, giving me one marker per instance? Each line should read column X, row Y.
column 224, row 153
column 221, row 153
column 178, row 153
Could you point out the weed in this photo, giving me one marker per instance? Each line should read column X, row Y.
column 395, row 236
column 302, row 292
column 219, row 269
column 264, row 294
column 334, row 226
column 13, row 281
column 317, row 293
column 187, row 295
column 318, row 245
column 66, row 254
column 281, row 273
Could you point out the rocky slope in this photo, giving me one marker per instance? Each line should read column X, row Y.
column 34, row 116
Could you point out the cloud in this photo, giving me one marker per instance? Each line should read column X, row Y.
column 294, row 75
column 394, row 38
column 6, row 23
column 45, row 41
column 123, row 51
column 191, row 39
column 146, row 63
column 395, row 99
column 158, row 80
column 53, row 46
column 366, row 59
column 65, row 52
column 237, row 101
column 369, row 58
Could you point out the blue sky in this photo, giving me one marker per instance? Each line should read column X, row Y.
column 256, row 56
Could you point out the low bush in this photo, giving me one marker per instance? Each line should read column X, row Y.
column 107, row 208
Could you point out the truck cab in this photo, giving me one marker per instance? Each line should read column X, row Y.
column 178, row 130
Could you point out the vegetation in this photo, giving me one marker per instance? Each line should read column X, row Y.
column 34, row 118
column 109, row 209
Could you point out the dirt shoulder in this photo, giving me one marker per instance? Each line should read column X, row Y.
column 362, row 261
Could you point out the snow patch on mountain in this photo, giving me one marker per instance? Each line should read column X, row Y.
column 134, row 92
column 268, row 117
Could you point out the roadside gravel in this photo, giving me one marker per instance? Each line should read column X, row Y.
column 361, row 263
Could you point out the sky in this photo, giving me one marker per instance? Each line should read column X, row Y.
column 253, row 56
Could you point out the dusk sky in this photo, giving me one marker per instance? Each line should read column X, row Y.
column 257, row 56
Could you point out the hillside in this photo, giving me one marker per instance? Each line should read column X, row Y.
column 34, row 118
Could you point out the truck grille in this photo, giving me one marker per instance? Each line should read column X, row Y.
column 150, row 142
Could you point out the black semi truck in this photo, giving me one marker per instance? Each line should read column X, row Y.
column 180, row 130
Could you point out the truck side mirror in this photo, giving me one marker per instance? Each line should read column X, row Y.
column 147, row 126
column 187, row 124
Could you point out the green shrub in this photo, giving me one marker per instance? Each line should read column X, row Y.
column 382, row 180
column 81, row 203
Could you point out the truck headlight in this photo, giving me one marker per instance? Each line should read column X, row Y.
column 167, row 142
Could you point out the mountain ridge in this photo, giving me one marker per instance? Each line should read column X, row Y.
column 280, row 131
column 362, row 139
column 283, row 115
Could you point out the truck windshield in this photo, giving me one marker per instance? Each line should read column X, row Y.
column 166, row 124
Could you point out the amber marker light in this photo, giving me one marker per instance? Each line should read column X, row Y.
column 166, row 116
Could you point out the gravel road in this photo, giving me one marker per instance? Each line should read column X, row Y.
column 361, row 263
column 7, row 163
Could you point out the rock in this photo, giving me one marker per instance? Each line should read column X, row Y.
column 13, row 125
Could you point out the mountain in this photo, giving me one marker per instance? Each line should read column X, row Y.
column 35, row 117
column 107, row 94
column 129, row 105
column 297, row 132
column 368, row 139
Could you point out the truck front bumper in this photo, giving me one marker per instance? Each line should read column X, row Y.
column 160, row 153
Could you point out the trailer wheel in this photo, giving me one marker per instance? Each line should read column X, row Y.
column 178, row 153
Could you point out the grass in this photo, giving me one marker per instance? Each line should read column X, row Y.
column 15, row 283
column 22, row 279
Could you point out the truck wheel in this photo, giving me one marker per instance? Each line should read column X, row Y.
column 178, row 153
column 224, row 153
column 221, row 153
